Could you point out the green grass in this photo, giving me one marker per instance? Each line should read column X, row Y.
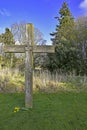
column 55, row 111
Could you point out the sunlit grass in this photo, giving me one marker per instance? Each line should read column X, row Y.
column 59, row 102
column 55, row 111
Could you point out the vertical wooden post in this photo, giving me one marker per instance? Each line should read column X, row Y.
column 29, row 65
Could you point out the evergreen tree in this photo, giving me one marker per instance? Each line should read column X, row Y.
column 64, row 27
column 66, row 56
column 7, row 39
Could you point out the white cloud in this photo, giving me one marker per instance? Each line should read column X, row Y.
column 4, row 12
column 83, row 4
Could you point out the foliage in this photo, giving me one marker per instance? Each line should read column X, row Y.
column 62, row 110
column 69, row 39
column 64, row 27
column 7, row 39
column 64, row 50
column 12, row 80
column 81, row 35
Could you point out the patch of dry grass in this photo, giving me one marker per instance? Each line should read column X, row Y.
column 11, row 80
column 43, row 81
column 47, row 82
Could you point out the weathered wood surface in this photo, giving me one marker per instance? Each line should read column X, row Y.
column 28, row 79
column 43, row 49
column 29, row 49
column 14, row 49
column 29, row 66
column 35, row 49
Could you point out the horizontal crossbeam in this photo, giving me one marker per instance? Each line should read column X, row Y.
column 14, row 49
column 35, row 49
column 44, row 49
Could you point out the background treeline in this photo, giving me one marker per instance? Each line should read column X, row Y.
column 69, row 39
column 17, row 35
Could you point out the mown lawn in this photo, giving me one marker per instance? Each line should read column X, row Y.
column 58, row 111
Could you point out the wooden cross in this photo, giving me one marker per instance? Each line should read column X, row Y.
column 29, row 49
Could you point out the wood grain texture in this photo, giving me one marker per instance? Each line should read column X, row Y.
column 29, row 66
column 29, row 49
column 35, row 49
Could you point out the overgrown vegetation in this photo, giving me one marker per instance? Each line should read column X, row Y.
column 60, row 94
column 12, row 80
column 70, row 41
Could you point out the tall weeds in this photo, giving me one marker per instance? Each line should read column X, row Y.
column 58, row 81
column 12, row 80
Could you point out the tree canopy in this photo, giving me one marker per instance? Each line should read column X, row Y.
column 70, row 41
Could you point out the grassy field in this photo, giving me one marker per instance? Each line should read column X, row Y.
column 53, row 111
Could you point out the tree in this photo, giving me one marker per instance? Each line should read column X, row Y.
column 81, row 35
column 62, row 39
column 80, row 39
column 38, row 37
column 70, row 40
column 19, row 33
column 7, row 39
column 64, row 27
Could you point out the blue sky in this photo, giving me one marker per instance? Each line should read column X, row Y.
column 39, row 12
